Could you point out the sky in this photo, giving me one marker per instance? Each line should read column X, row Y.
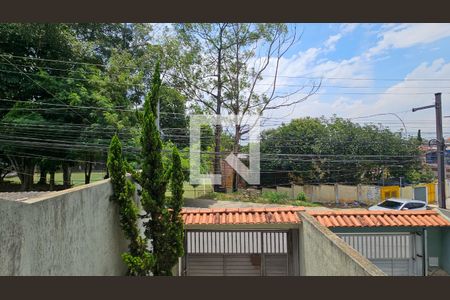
column 368, row 69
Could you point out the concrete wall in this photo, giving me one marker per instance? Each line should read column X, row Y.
column 323, row 253
column 71, row 232
column 347, row 193
column 340, row 193
column 327, row 194
column 286, row 190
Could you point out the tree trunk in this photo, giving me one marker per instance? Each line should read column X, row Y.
column 66, row 175
column 236, row 148
column 27, row 175
column 43, row 177
column 87, row 172
column 218, row 128
column 52, row 180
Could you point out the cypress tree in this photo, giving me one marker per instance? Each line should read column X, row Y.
column 154, row 182
column 138, row 258
column 175, row 203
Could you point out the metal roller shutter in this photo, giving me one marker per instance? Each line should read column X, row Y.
column 394, row 253
column 276, row 265
column 205, row 265
column 242, row 265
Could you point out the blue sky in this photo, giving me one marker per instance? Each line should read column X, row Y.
column 374, row 68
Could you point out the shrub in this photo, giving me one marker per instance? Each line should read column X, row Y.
column 302, row 196
column 275, row 197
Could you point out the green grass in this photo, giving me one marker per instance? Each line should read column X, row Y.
column 77, row 178
column 265, row 198
column 190, row 192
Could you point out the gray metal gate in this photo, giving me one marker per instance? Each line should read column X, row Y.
column 420, row 193
column 396, row 254
column 236, row 253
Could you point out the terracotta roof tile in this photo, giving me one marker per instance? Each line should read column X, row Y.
column 365, row 218
column 329, row 218
column 228, row 216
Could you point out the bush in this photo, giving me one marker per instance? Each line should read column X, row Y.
column 275, row 197
column 302, row 196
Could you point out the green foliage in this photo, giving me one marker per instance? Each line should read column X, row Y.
column 138, row 259
column 175, row 234
column 138, row 265
column 425, row 175
column 163, row 228
column 319, row 150
column 302, row 196
column 275, row 197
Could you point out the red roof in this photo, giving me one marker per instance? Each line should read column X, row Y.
column 357, row 218
column 229, row 216
column 328, row 218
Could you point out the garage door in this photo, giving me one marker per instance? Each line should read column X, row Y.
column 236, row 265
column 397, row 254
column 236, row 253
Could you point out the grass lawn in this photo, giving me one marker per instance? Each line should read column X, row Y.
column 189, row 192
column 77, row 177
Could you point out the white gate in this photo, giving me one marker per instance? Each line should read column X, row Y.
column 396, row 254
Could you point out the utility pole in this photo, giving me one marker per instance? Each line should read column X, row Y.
column 401, row 194
column 440, row 145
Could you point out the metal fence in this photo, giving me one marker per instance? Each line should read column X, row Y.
column 237, row 242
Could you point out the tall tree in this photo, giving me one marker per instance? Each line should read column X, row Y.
column 154, row 182
column 228, row 62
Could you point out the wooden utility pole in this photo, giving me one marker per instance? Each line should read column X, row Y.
column 440, row 145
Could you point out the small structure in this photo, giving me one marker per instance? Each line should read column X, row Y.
column 402, row 243
column 292, row 241
column 252, row 241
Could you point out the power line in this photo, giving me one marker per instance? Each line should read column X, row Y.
column 266, row 75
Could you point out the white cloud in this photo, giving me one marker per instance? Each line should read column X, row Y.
column 330, row 43
column 399, row 98
column 408, row 35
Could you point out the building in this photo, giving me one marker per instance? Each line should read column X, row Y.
column 279, row 241
column 77, row 232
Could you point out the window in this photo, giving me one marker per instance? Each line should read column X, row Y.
column 414, row 205
column 390, row 204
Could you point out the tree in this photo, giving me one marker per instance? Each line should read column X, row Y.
column 319, row 150
column 200, row 72
column 175, row 234
column 77, row 82
column 5, row 166
column 154, row 179
column 138, row 258
column 419, row 136
column 226, row 70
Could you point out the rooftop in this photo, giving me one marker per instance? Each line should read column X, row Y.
column 354, row 218
column 228, row 216
column 328, row 218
